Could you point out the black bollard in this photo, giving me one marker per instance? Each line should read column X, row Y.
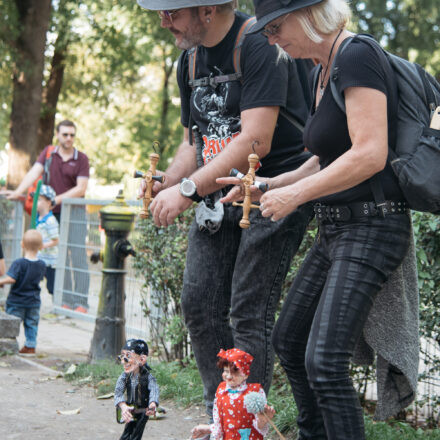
column 109, row 335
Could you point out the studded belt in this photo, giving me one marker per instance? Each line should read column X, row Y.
column 343, row 213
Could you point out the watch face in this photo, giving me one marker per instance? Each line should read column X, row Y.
column 188, row 188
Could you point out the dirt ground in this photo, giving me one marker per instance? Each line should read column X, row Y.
column 31, row 394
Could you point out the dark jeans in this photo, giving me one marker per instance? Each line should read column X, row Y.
column 76, row 261
column 30, row 317
column 135, row 429
column 232, row 286
column 323, row 317
column 50, row 279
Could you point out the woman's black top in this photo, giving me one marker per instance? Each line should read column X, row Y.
column 326, row 132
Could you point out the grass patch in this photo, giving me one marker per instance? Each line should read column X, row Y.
column 183, row 385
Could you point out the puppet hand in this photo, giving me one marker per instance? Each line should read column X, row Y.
column 126, row 414
column 151, row 410
column 200, row 431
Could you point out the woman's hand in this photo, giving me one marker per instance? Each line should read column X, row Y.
column 236, row 194
column 278, row 203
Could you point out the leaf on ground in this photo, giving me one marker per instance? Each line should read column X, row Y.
column 106, row 396
column 69, row 412
column 86, row 379
column 70, row 370
column 4, row 365
column 49, row 316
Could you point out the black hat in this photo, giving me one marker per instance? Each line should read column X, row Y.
column 161, row 5
column 268, row 10
column 138, row 346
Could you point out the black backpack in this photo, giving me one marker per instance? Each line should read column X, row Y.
column 415, row 157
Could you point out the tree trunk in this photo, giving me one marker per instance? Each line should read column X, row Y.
column 50, row 95
column 163, row 129
column 33, row 17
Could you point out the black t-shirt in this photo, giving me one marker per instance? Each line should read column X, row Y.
column 25, row 292
column 326, row 133
column 1, row 252
column 268, row 80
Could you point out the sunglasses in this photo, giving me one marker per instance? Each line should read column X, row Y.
column 125, row 358
column 68, row 134
column 167, row 14
column 274, row 29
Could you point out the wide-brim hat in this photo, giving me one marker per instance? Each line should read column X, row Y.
column 161, row 5
column 268, row 10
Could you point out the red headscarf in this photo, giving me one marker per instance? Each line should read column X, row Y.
column 239, row 358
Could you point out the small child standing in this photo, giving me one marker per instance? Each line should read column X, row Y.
column 231, row 418
column 140, row 387
column 23, row 300
column 47, row 225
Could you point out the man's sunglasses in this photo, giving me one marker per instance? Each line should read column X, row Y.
column 273, row 29
column 167, row 14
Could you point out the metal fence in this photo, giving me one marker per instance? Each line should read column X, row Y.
column 11, row 229
column 78, row 281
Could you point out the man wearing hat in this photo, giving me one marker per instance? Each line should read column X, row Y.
column 233, row 277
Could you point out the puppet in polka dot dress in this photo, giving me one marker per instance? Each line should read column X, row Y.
column 231, row 419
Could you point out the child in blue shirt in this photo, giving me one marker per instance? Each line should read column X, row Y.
column 47, row 225
column 23, row 300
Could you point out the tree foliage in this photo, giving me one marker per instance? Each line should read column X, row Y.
column 110, row 67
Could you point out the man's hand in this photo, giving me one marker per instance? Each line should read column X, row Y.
column 151, row 410
column 167, row 205
column 157, row 186
column 11, row 195
column 126, row 410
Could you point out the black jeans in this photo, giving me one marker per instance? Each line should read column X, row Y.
column 232, row 286
column 323, row 317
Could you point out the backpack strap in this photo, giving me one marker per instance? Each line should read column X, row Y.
column 214, row 81
column 47, row 162
column 245, row 27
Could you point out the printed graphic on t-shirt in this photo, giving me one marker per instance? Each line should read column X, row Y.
column 212, row 112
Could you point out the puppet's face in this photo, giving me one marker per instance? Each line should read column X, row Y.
column 233, row 376
column 131, row 361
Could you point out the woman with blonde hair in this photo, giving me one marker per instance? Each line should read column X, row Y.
column 360, row 242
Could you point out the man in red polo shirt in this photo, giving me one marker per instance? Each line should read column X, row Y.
column 68, row 175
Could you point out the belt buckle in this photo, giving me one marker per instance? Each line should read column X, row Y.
column 381, row 209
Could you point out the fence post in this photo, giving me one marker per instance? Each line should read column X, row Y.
column 62, row 253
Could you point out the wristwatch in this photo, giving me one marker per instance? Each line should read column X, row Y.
column 189, row 189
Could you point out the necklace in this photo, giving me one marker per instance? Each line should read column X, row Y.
column 323, row 76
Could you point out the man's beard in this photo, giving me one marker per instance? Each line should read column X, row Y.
column 192, row 37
